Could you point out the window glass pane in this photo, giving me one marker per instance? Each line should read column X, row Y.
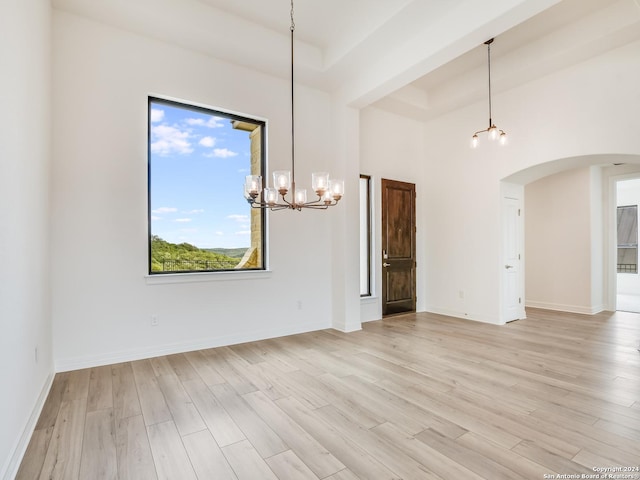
column 628, row 239
column 365, row 236
column 199, row 219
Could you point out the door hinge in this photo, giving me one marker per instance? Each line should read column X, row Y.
column 518, row 212
column 518, row 256
column 519, row 299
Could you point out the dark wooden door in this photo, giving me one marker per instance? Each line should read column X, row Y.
column 398, row 247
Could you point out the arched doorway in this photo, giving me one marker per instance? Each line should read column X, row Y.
column 594, row 275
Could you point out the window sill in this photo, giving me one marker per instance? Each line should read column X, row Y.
column 172, row 278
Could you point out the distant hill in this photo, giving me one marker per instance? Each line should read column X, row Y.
column 184, row 257
column 229, row 252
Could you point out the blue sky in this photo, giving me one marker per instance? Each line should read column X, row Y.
column 198, row 166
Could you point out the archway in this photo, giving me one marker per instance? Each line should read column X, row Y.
column 600, row 247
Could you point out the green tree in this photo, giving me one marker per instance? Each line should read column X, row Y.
column 184, row 257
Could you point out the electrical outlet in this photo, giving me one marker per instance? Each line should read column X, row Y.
column 154, row 320
column 461, row 294
column 299, row 304
column 36, row 354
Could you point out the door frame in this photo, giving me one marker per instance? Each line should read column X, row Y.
column 511, row 192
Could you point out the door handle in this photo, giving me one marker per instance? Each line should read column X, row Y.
column 508, row 266
column 385, row 264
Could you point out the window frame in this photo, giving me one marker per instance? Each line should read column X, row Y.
column 368, row 241
column 619, row 245
column 213, row 111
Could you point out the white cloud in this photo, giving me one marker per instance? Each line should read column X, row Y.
column 244, row 232
column 154, row 218
column 223, row 153
column 156, row 115
column 165, row 210
column 220, row 234
column 166, row 140
column 207, row 142
column 195, row 211
column 213, row 122
column 182, row 220
column 239, row 218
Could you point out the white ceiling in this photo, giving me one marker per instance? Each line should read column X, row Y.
column 563, row 35
column 419, row 58
column 331, row 25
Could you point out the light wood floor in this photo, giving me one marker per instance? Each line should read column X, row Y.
column 411, row 397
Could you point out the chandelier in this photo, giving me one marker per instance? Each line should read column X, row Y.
column 493, row 131
column 328, row 191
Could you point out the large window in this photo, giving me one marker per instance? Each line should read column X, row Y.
column 628, row 239
column 199, row 219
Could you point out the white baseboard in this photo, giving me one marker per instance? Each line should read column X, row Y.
column 348, row 328
column 67, row 364
column 11, row 468
column 373, row 319
column 559, row 307
column 465, row 315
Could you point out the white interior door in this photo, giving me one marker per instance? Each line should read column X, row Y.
column 512, row 283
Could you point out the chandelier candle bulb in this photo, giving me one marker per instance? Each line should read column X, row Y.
column 270, row 195
column 301, row 197
column 320, row 182
column 493, row 132
column 337, row 188
column 252, row 185
column 282, row 181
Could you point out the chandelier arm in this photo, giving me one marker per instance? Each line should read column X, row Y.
column 284, row 199
column 313, row 206
column 320, row 203
column 272, row 206
column 323, row 203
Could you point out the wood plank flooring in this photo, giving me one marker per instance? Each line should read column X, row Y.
column 410, row 397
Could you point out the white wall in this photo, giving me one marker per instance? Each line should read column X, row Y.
column 25, row 322
column 559, row 238
column 101, row 300
column 586, row 109
column 392, row 147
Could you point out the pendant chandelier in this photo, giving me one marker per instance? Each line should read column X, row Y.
column 328, row 191
column 493, row 131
